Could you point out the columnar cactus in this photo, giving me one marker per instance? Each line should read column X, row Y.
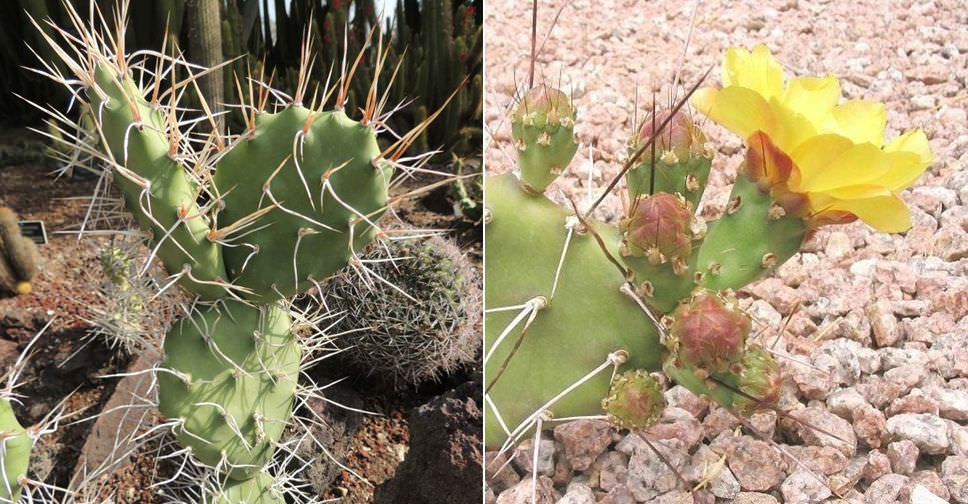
column 243, row 223
column 565, row 294
column 18, row 255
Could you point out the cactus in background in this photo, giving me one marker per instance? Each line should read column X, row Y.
column 243, row 223
column 568, row 298
column 426, row 324
column 18, row 255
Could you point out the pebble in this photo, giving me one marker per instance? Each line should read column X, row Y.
column 870, row 425
column 583, row 441
column 578, row 493
column 903, row 455
column 612, row 470
column 522, row 494
column 755, row 464
column 818, row 421
column 932, row 481
column 883, row 323
column 950, row 243
column 952, row 404
column 838, row 358
column 524, row 456
column 954, row 474
column 928, row 432
column 649, row 476
column 803, row 487
column 921, row 495
column 754, row 498
column 885, row 489
column 877, row 465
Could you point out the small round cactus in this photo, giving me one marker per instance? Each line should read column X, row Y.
column 420, row 322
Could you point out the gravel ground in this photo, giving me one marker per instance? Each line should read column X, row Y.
column 874, row 325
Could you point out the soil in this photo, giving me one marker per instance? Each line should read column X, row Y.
column 68, row 364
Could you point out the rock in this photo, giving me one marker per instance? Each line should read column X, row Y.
column 578, row 493
column 915, row 402
column 928, row 432
column 954, row 474
column 755, row 464
column 612, row 470
column 852, row 473
column 885, row 489
column 521, row 493
column 952, row 404
column 949, row 354
column 903, row 455
column 870, row 426
column 824, row 460
column 883, row 323
column 838, row 358
column 754, row 498
column 932, row 481
column 710, row 469
column 446, row 441
column 877, row 465
column 583, row 441
column 803, row 487
column 618, row 495
column 498, row 474
column 923, row 102
column 814, row 425
column 950, row 243
column 649, row 476
column 784, row 298
column 906, row 377
column 672, row 497
column 838, row 245
column 524, row 456
column 921, row 495
column 681, row 397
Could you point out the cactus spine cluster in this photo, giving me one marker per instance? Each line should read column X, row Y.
column 18, row 255
column 243, row 223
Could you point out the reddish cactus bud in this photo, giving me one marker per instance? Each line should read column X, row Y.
column 680, row 136
column 634, row 401
column 760, row 379
column 710, row 334
column 658, row 227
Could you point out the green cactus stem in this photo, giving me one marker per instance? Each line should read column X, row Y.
column 15, row 446
column 543, row 128
column 18, row 255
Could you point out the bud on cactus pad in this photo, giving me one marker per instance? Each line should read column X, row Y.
column 543, row 130
column 760, row 378
column 658, row 227
column 681, row 162
column 257, row 490
column 709, row 333
column 635, row 400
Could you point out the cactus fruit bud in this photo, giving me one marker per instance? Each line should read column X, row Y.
column 635, row 400
column 760, row 379
column 658, row 227
column 680, row 138
column 680, row 163
column 18, row 255
column 709, row 333
column 543, row 129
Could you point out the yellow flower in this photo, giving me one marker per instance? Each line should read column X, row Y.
column 825, row 161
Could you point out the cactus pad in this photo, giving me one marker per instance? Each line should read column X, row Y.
column 15, row 447
column 241, row 364
column 543, row 128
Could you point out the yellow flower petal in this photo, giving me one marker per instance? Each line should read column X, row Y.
column 861, row 164
column 756, row 70
column 816, row 154
column 813, row 97
column 885, row 213
column 916, row 142
column 741, row 110
column 859, row 120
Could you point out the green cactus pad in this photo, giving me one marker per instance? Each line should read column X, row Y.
column 586, row 319
column 243, row 363
column 256, row 490
column 174, row 219
column 543, row 128
column 752, row 238
column 293, row 244
column 749, row 387
column 635, row 400
column 15, row 447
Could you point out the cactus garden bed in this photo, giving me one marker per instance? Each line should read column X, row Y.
column 868, row 328
column 69, row 363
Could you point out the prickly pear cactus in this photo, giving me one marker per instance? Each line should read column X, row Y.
column 572, row 302
column 14, row 453
column 242, row 222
